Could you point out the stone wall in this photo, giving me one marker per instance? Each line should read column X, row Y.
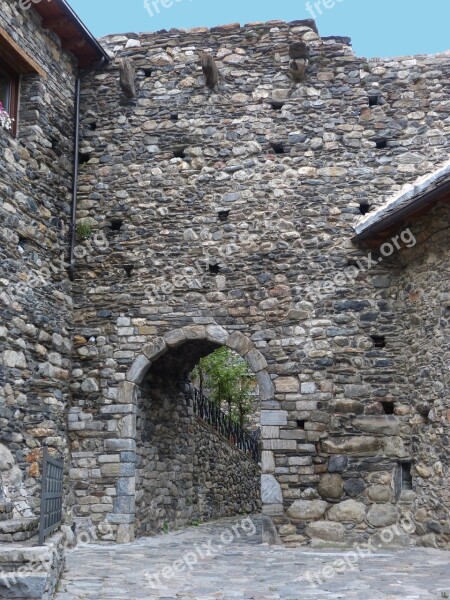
column 423, row 297
column 232, row 208
column 226, row 482
column 186, row 471
column 35, row 295
column 166, row 449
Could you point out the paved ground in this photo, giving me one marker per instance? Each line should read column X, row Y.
column 224, row 561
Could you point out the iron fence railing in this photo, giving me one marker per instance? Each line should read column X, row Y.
column 236, row 435
column 51, row 495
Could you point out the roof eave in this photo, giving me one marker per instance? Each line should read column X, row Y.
column 75, row 36
column 416, row 200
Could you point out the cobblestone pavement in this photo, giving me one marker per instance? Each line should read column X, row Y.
column 231, row 564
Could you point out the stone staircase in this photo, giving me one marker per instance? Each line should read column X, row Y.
column 18, row 530
column 27, row 570
column 15, row 530
column 6, row 510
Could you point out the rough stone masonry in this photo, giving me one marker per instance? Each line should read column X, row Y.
column 228, row 190
column 222, row 174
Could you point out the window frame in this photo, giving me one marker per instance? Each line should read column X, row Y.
column 16, row 63
column 14, row 93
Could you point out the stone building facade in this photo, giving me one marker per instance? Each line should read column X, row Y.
column 220, row 207
column 229, row 216
column 37, row 313
column 38, row 76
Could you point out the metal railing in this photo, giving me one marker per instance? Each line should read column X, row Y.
column 210, row 412
column 51, row 495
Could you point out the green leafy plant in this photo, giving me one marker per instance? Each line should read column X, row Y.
column 83, row 231
column 226, row 379
column 165, row 527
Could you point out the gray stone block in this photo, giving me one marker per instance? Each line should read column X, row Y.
column 270, row 490
column 119, row 519
column 126, row 486
column 124, row 505
column 138, row 369
column 115, row 445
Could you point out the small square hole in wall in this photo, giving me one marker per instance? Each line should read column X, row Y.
column 128, row 270
column 93, row 126
column 301, row 424
column 379, row 341
column 116, row 224
column 179, row 152
column 223, row 215
column 407, row 480
column 364, row 208
column 174, row 117
column 84, row 157
column 388, row 407
column 148, row 72
column 22, row 243
column 374, row 99
column 381, row 143
column 276, row 104
column 215, row 269
column 278, row 147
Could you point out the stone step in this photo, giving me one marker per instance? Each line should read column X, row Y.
column 6, row 510
column 18, row 530
column 16, row 584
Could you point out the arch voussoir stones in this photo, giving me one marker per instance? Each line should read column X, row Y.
column 217, row 334
column 240, row 343
column 138, row 369
column 174, row 338
column 195, row 332
column 155, row 349
column 256, row 361
column 265, row 385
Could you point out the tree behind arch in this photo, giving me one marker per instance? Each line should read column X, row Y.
column 226, row 379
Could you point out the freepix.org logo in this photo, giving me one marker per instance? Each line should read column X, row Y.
column 316, row 9
column 153, row 7
column 26, row 4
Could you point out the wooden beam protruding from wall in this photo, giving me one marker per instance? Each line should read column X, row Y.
column 299, row 61
column 127, row 78
column 210, row 70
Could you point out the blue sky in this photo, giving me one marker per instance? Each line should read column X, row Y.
column 377, row 27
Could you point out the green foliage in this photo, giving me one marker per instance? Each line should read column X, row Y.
column 226, row 379
column 165, row 527
column 83, row 231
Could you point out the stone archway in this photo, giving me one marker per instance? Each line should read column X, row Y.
column 125, row 506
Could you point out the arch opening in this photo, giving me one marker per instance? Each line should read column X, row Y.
column 189, row 467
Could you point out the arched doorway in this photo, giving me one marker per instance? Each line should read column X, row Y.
column 168, row 440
